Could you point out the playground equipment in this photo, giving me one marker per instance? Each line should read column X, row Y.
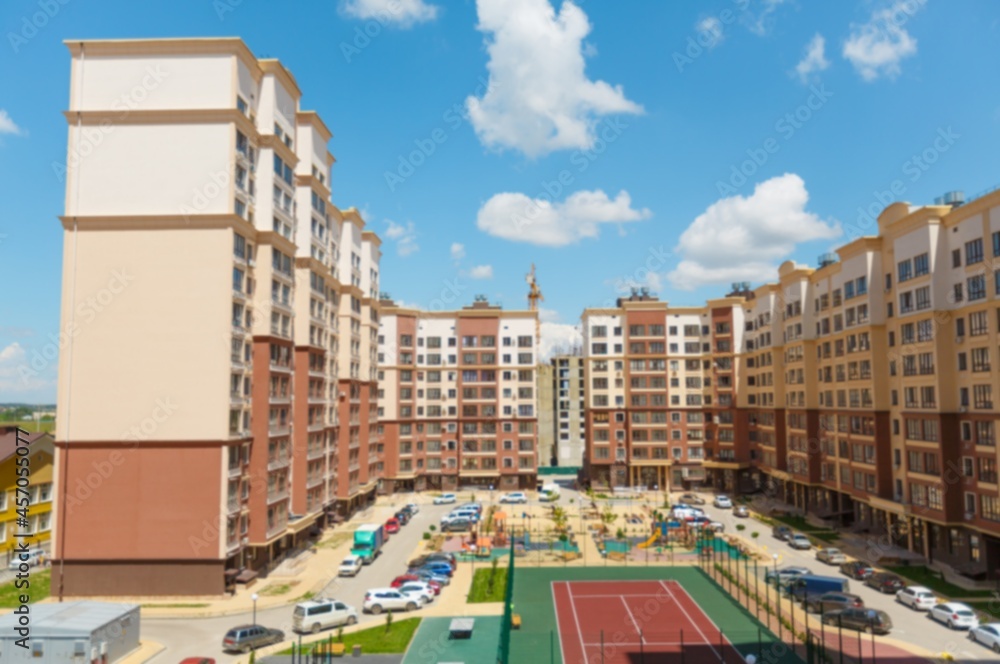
column 652, row 540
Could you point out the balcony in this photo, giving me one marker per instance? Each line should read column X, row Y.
column 315, row 482
column 235, row 471
column 277, row 528
column 280, row 368
column 233, row 505
column 315, row 453
column 276, row 430
column 238, row 434
column 279, row 399
column 276, row 496
column 278, row 463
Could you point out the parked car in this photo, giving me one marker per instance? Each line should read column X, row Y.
column 805, row 585
column 392, row 525
column 418, row 589
column 435, row 556
column 717, row 526
column 916, row 597
column 723, row 502
column 514, row 497
column 318, row 614
column 388, row 599
column 954, row 614
column 412, row 507
column 785, row 574
column 403, row 579
column 197, row 660
column 445, row 499
column 424, row 574
column 781, row 532
column 245, row 638
column 988, row 635
column 831, row 556
column 827, row 602
column 800, row 542
column 862, row 619
column 478, row 507
column 884, row 582
column 350, row 566
column 441, row 567
column 691, row 499
column 741, row 511
column 459, row 524
column 857, row 570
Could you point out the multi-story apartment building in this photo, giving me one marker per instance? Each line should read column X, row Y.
column 567, row 403
column 222, row 314
column 660, row 393
column 546, row 415
column 458, row 400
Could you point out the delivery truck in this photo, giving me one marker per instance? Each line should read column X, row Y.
column 368, row 540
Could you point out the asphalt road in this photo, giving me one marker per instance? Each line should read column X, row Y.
column 909, row 626
column 202, row 637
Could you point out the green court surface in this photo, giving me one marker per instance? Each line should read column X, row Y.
column 431, row 643
column 538, row 638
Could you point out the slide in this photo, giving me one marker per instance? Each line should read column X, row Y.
column 652, row 540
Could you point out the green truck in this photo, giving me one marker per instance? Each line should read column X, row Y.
column 368, row 541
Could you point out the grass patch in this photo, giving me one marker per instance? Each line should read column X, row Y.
column 40, row 588
column 826, row 536
column 376, row 640
column 176, row 605
column 991, row 609
column 924, row 576
column 482, row 591
column 799, row 523
column 277, row 589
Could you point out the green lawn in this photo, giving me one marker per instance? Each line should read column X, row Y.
column 376, row 640
column 31, row 426
column 482, row 591
column 927, row 577
column 991, row 608
column 40, row 588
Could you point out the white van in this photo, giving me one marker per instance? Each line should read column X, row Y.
column 320, row 614
column 31, row 559
column 351, row 565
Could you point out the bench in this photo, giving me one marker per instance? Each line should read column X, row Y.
column 515, row 621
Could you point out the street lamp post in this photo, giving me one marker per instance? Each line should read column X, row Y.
column 255, row 597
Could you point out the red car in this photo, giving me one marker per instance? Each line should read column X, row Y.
column 407, row 578
column 392, row 525
column 198, row 660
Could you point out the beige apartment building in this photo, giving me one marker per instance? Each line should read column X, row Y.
column 561, row 419
column 458, row 401
column 216, row 391
column 864, row 386
column 660, row 394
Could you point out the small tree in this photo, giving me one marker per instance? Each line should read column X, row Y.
column 388, row 621
column 253, row 657
column 620, row 534
column 740, row 527
column 493, row 574
column 340, row 634
column 755, row 534
column 432, row 528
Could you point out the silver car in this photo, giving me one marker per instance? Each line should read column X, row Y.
column 954, row 614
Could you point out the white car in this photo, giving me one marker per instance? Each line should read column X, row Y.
column 515, row 497
column 351, row 566
column 417, row 589
column 954, row 614
column 723, row 502
column 988, row 635
column 389, row 599
column 917, row 597
column 322, row 613
column 445, row 499
column 800, row 542
column 413, row 507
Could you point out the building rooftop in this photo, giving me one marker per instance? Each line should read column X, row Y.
column 69, row 620
column 8, row 440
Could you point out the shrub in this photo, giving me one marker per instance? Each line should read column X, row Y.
column 388, row 621
column 427, row 536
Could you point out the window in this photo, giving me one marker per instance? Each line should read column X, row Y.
column 977, row 287
column 905, row 271
column 956, row 258
column 974, row 252
column 978, row 324
column 980, row 359
column 921, row 265
column 923, row 296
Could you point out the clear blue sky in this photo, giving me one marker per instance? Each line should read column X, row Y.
column 642, row 109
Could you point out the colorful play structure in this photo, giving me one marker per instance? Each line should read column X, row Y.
column 662, row 533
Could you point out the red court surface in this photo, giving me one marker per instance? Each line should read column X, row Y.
column 621, row 622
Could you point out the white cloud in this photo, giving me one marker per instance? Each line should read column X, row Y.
column 814, row 59
column 404, row 235
column 539, row 98
column 741, row 238
column 515, row 216
column 7, row 125
column 558, row 338
column 481, row 272
column 712, row 29
column 877, row 47
column 548, row 315
column 401, row 13
column 761, row 23
column 18, row 377
column 457, row 251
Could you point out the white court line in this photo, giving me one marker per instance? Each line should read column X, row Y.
column 690, row 620
column 579, row 632
column 618, row 595
column 634, row 623
column 702, row 612
column 562, row 650
column 644, row 643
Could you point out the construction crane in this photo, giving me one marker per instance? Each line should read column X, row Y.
column 534, row 293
